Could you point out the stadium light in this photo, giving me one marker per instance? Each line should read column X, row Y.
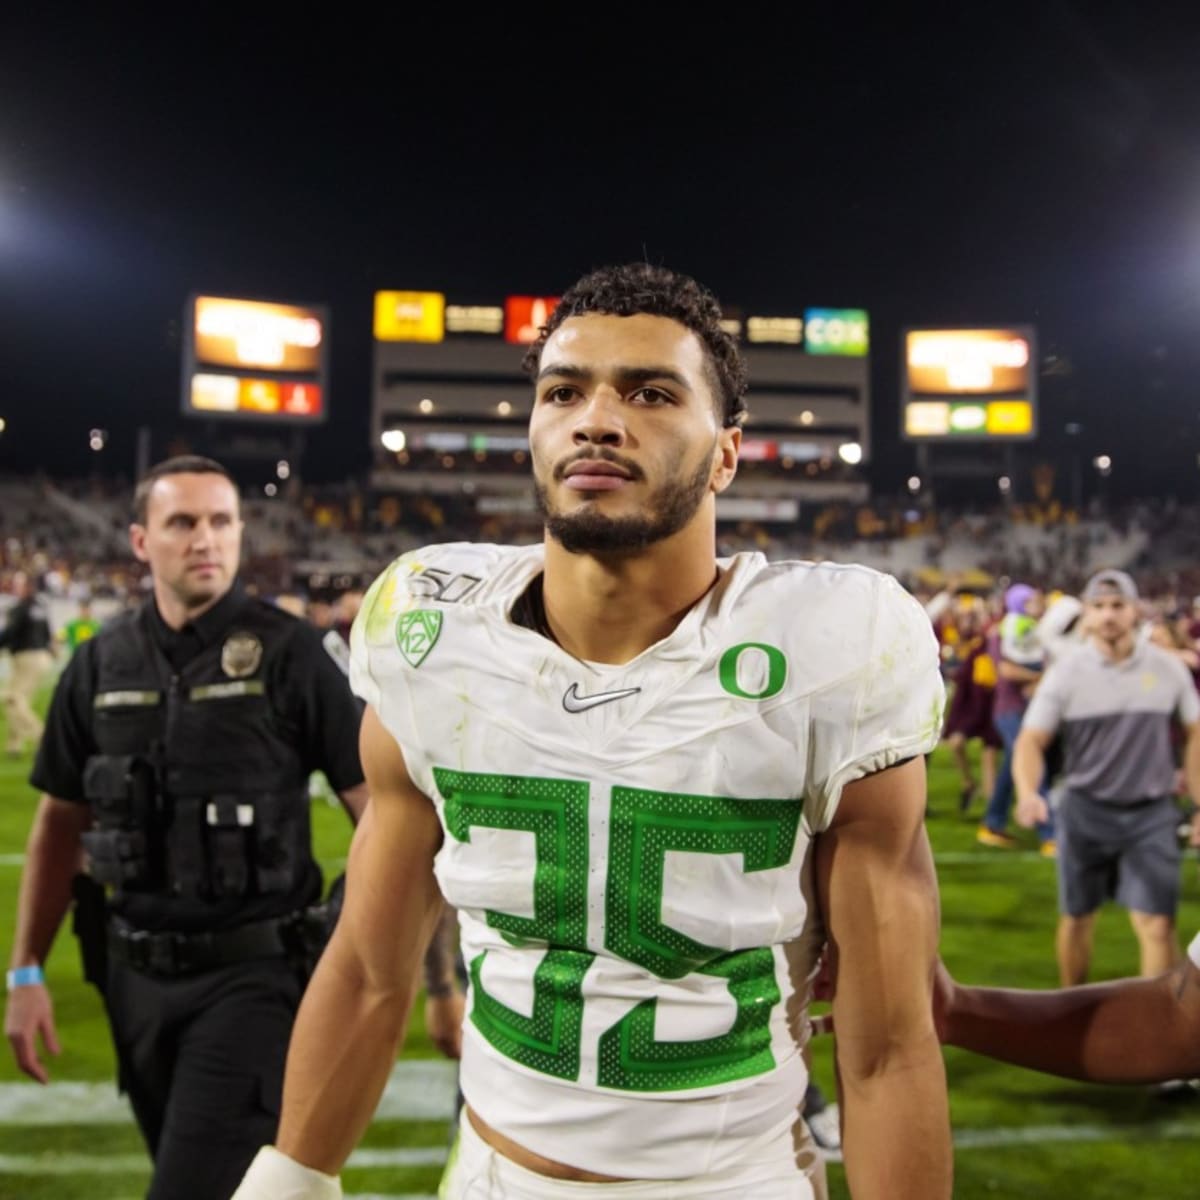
column 3, row 424
column 271, row 489
column 97, row 438
column 1103, row 464
column 1005, row 485
column 394, row 440
column 914, row 484
column 426, row 406
column 850, row 453
column 283, row 468
column 807, row 417
column 504, row 408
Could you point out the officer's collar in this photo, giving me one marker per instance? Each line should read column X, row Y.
column 211, row 623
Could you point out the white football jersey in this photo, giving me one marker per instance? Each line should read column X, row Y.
column 628, row 847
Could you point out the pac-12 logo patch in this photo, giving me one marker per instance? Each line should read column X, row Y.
column 416, row 633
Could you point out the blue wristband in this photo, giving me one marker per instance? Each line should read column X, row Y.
column 25, row 977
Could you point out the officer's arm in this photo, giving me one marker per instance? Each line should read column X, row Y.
column 352, row 1018
column 51, row 862
column 878, row 893
column 354, row 800
column 1124, row 1031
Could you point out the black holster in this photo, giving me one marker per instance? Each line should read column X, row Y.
column 89, row 923
column 314, row 927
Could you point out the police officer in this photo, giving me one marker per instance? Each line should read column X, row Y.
column 176, row 756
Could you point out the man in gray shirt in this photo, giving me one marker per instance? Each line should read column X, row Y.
column 1113, row 699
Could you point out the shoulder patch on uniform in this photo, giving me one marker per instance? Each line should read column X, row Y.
column 417, row 632
column 336, row 648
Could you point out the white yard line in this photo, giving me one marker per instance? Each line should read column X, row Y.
column 52, row 1163
column 418, row 1090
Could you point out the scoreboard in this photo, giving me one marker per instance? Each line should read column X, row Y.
column 969, row 385
column 258, row 360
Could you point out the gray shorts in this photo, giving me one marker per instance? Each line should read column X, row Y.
column 1124, row 852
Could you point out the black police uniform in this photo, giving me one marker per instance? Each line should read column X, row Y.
column 27, row 628
column 193, row 749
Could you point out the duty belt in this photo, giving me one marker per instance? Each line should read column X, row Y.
column 170, row 954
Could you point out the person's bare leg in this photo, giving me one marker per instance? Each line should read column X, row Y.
column 1073, row 945
column 1157, row 943
column 958, row 747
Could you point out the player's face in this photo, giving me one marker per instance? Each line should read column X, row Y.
column 192, row 538
column 1111, row 617
column 625, row 438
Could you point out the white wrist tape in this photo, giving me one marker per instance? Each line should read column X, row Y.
column 275, row 1176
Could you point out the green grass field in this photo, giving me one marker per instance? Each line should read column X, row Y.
column 1017, row 1133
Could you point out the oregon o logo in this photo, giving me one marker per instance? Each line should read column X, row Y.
column 753, row 670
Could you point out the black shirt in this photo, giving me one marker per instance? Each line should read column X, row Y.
column 27, row 628
column 309, row 694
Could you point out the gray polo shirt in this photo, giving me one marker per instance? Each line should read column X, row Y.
column 1115, row 719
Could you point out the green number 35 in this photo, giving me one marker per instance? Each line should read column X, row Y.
column 645, row 826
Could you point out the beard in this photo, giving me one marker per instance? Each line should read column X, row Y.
column 589, row 531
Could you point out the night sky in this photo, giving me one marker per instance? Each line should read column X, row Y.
column 1034, row 163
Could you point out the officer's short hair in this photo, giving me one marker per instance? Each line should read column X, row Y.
column 182, row 464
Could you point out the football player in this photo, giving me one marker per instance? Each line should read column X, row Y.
column 652, row 783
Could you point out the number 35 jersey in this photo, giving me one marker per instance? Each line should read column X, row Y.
column 629, row 847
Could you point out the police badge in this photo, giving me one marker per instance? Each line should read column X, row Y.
column 241, row 655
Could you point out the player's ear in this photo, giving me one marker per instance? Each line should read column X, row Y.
column 725, row 457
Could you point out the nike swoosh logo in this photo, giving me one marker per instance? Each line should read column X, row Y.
column 573, row 702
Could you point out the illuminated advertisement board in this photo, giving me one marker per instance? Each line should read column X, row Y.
column 410, row 316
column 255, row 359
column 970, row 384
column 843, row 331
column 524, row 317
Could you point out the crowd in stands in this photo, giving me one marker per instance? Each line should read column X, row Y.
column 74, row 537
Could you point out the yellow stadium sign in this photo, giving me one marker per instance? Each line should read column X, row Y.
column 1010, row 418
column 410, row 316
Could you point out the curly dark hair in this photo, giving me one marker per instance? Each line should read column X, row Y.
column 641, row 288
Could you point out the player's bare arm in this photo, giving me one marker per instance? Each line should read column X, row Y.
column 352, row 1018
column 1122, row 1031
column 51, row 861
column 878, row 893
